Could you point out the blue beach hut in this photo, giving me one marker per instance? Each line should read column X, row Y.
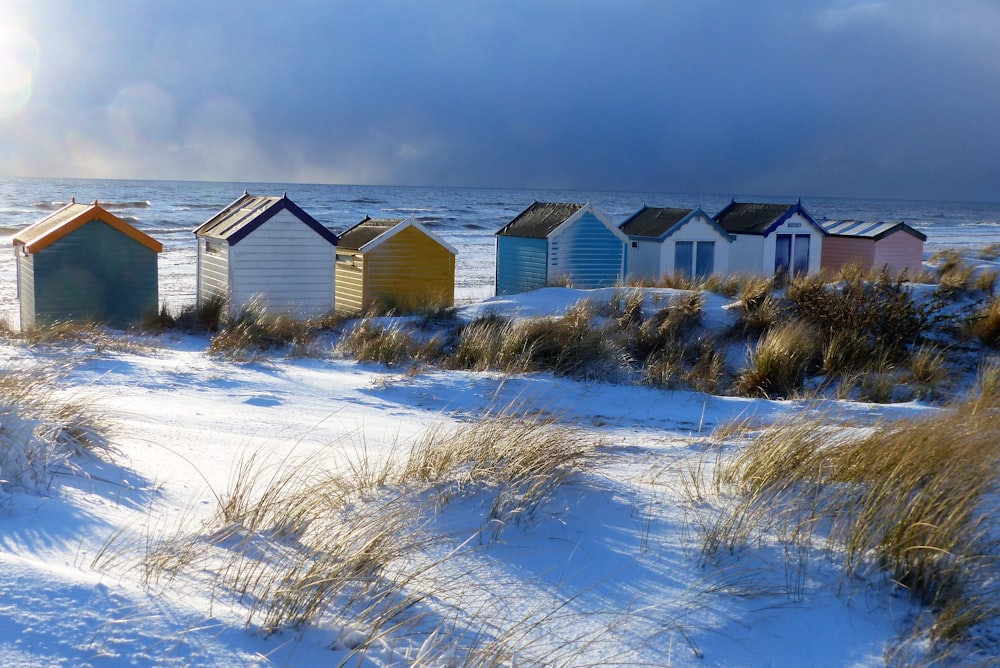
column 559, row 243
column 82, row 263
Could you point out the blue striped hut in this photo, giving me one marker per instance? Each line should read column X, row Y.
column 555, row 243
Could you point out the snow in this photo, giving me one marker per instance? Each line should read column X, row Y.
column 610, row 564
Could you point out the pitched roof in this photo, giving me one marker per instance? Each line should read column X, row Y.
column 758, row 217
column 249, row 212
column 660, row 223
column 652, row 221
column 373, row 231
column 367, row 230
column 71, row 217
column 539, row 219
column 868, row 229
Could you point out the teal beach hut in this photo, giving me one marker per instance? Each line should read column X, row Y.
column 555, row 243
column 83, row 263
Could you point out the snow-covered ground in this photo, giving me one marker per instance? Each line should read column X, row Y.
column 607, row 571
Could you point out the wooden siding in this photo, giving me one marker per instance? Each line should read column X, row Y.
column 350, row 285
column 95, row 273
column 409, row 269
column 796, row 224
column 521, row 264
column 285, row 264
column 900, row 251
column 26, row 290
column 588, row 253
column 643, row 261
column 746, row 256
column 213, row 271
column 839, row 252
column 695, row 229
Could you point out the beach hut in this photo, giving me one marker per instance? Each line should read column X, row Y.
column 269, row 251
column 873, row 245
column 551, row 242
column 395, row 262
column 668, row 241
column 83, row 263
column 772, row 238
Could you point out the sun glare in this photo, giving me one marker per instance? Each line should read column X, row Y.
column 19, row 56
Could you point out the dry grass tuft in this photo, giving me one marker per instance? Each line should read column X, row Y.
column 256, row 331
column 989, row 251
column 296, row 542
column 905, row 497
column 780, row 362
column 572, row 345
column 985, row 324
column 757, row 309
column 205, row 317
column 43, row 431
column 390, row 345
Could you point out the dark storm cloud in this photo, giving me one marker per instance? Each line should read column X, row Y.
column 888, row 99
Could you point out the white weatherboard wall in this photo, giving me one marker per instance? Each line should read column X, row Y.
column 285, row 264
column 644, row 258
column 696, row 229
column 796, row 224
column 745, row 255
column 213, row 270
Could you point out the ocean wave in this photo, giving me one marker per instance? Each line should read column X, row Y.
column 119, row 206
column 48, row 206
column 366, row 200
column 199, row 205
column 982, row 223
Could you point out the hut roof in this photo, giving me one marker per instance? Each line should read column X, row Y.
column 249, row 212
column 71, row 217
column 760, row 218
column 869, row 229
column 373, row 231
column 660, row 222
column 652, row 221
column 367, row 230
column 539, row 219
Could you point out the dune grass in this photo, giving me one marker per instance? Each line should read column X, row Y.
column 358, row 546
column 256, row 330
column 42, row 430
column 780, row 361
column 903, row 497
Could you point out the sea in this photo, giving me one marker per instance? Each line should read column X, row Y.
column 467, row 218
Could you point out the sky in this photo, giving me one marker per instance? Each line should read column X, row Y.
column 849, row 98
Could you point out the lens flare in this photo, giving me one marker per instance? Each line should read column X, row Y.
column 19, row 56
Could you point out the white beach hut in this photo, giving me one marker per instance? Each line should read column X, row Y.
column 772, row 238
column 266, row 249
column 667, row 241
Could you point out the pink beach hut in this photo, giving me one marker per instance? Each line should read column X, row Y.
column 873, row 245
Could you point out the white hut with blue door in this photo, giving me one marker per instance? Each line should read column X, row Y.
column 555, row 243
column 667, row 241
column 268, row 251
column 772, row 239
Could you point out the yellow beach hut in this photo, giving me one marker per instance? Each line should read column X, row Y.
column 398, row 263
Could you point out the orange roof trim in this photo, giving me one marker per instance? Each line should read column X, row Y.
column 49, row 230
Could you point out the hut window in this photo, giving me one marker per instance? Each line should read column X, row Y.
column 212, row 249
column 345, row 259
column 635, row 244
